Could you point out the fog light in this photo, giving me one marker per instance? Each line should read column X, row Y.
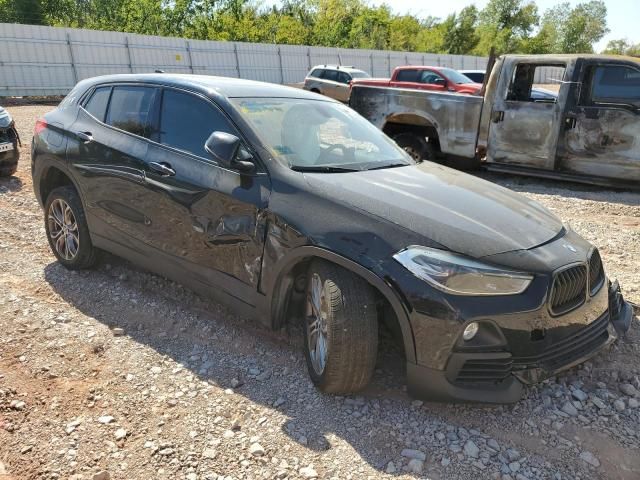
column 470, row 331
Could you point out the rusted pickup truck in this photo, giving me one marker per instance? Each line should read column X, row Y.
column 590, row 133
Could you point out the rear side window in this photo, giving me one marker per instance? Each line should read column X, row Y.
column 130, row 107
column 330, row 75
column 97, row 104
column 344, row 77
column 616, row 84
column 186, row 121
column 407, row 76
column 317, row 73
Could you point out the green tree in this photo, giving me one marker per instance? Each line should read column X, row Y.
column 505, row 25
column 460, row 35
column 22, row 11
column 371, row 28
column 622, row 47
column 567, row 30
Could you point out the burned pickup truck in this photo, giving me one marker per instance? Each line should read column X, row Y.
column 589, row 133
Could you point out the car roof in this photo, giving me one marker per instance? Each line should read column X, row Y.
column 338, row 67
column 223, row 86
column 472, row 71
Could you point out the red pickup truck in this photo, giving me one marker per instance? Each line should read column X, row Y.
column 425, row 78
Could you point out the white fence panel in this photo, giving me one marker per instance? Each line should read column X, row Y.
column 37, row 60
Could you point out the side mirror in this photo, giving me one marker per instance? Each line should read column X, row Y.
column 228, row 151
column 441, row 82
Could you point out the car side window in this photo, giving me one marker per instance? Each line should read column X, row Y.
column 130, row 109
column 330, row 75
column 431, row 78
column 344, row 77
column 317, row 73
column 187, row 121
column 407, row 75
column 97, row 103
column 616, row 84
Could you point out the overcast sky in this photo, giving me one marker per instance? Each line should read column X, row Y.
column 623, row 15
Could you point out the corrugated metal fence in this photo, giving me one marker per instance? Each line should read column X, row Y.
column 37, row 60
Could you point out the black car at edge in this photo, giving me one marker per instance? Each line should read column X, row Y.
column 288, row 205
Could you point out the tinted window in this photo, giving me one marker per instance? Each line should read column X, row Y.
column 344, row 77
column 330, row 75
column 186, row 122
column 317, row 73
column 477, row 77
column 129, row 109
column 407, row 76
column 97, row 104
column 431, row 78
column 616, row 83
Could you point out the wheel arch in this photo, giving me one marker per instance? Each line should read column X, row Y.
column 412, row 123
column 53, row 175
column 296, row 261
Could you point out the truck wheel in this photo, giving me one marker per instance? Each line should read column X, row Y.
column 416, row 146
column 341, row 329
column 67, row 229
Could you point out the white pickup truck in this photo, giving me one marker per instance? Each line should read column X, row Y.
column 589, row 133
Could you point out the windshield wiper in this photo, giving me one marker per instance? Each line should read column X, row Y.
column 390, row 165
column 322, row 169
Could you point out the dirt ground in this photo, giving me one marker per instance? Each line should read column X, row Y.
column 115, row 373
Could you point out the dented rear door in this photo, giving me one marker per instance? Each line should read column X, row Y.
column 601, row 136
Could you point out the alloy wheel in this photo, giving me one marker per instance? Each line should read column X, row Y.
column 63, row 229
column 316, row 323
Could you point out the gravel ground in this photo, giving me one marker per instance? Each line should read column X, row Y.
column 119, row 374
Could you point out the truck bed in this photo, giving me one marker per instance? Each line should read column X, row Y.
column 454, row 116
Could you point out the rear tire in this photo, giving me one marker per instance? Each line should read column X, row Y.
column 340, row 308
column 416, row 146
column 67, row 229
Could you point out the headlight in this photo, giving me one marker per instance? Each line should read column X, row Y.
column 460, row 275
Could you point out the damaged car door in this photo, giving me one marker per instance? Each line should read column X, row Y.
column 602, row 129
column 523, row 129
column 206, row 216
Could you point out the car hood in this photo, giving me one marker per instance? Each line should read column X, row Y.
column 458, row 211
column 5, row 118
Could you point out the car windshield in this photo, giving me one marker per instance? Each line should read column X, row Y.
column 319, row 135
column 455, row 76
column 359, row 74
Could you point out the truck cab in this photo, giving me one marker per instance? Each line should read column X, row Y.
column 592, row 129
column 589, row 131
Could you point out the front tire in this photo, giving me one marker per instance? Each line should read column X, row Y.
column 67, row 229
column 341, row 329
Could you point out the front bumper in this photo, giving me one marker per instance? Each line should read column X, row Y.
column 498, row 376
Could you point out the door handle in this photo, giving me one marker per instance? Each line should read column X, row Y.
column 85, row 137
column 163, row 168
column 570, row 122
column 498, row 116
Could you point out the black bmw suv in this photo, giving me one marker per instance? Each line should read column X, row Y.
column 288, row 205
